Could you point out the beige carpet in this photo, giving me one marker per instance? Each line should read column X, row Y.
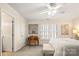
column 26, row 51
column 0, row 53
column 7, row 53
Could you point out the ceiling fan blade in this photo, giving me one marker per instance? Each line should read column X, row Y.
column 48, row 6
column 44, row 12
column 57, row 7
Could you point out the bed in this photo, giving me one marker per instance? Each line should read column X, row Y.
column 65, row 46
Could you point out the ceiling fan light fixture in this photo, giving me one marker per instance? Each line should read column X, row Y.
column 53, row 14
column 52, row 8
column 54, row 11
column 49, row 13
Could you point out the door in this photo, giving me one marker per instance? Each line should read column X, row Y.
column 6, row 31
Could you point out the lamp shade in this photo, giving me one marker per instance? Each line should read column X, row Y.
column 78, row 34
column 74, row 31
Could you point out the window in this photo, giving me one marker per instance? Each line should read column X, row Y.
column 48, row 31
column 44, row 31
column 54, row 30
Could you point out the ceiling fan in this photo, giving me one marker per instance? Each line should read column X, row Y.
column 52, row 9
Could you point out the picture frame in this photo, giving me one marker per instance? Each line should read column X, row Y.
column 33, row 28
column 65, row 29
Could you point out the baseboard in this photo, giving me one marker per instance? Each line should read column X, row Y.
column 20, row 48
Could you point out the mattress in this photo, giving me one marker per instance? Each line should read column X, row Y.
column 63, row 46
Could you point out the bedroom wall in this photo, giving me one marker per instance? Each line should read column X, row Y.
column 75, row 21
column 20, row 26
column 58, row 22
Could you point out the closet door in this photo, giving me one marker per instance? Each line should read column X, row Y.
column 6, row 31
column 0, row 35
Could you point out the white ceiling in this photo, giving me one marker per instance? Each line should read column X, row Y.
column 31, row 11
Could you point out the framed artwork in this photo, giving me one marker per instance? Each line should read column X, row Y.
column 65, row 29
column 33, row 28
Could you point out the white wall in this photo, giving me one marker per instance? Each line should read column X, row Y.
column 20, row 24
column 75, row 21
column 55, row 21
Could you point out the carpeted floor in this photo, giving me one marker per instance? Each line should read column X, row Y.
column 0, row 53
column 26, row 51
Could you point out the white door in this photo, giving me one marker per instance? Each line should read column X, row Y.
column 6, row 31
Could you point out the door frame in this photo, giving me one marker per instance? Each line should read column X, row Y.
column 13, row 35
column 3, row 10
column 0, row 34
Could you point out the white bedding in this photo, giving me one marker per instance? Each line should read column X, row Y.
column 65, row 46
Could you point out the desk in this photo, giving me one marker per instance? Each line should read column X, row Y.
column 33, row 40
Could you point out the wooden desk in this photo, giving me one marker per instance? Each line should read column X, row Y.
column 33, row 40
